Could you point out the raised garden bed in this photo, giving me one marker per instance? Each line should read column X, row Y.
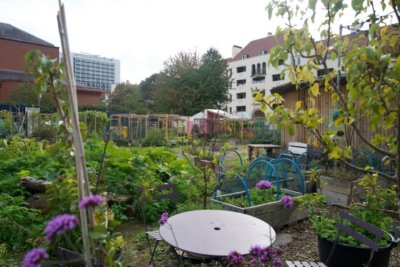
column 273, row 212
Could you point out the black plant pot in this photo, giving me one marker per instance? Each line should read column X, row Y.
column 350, row 256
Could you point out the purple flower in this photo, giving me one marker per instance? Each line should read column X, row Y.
column 90, row 201
column 34, row 257
column 287, row 201
column 276, row 261
column 164, row 218
column 235, row 258
column 60, row 224
column 265, row 255
column 256, row 250
column 264, row 184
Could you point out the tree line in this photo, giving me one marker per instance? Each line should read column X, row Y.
column 187, row 84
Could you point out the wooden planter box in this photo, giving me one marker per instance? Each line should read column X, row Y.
column 339, row 191
column 273, row 213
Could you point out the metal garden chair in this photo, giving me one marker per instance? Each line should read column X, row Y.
column 160, row 192
column 341, row 227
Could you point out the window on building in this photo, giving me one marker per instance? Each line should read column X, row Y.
column 244, row 56
column 241, row 96
column 230, row 110
column 263, row 52
column 264, row 68
column 241, row 69
column 259, row 79
column 281, row 62
column 277, row 77
column 241, row 82
column 253, row 70
column 240, row 108
column 230, row 97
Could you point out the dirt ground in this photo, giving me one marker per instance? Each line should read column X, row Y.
column 298, row 242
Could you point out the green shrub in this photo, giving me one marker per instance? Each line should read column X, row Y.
column 19, row 225
column 155, row 138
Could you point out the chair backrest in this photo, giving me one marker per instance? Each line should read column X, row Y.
column 297, row 148
column 160, row 192
column 371, row 229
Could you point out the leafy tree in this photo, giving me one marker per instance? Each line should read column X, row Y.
column 126, row 98
column 24, row 94
column 49, row 76
column 214, row 85
column 189, row 84
column 147, row 88
column 371, row 64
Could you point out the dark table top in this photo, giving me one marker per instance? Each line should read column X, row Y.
column 216, row 232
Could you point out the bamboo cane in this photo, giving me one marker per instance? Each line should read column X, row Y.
column 83, row 181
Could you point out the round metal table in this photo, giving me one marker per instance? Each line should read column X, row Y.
column 216, row 232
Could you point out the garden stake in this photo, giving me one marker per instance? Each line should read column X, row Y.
column 83, row 181
column 102, row 158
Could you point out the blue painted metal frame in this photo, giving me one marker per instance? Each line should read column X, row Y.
column 244, row 181
column 297, row 170
column 221, row 168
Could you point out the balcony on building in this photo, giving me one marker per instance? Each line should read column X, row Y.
column 258, row 70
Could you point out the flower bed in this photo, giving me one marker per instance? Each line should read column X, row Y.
column 272, row 212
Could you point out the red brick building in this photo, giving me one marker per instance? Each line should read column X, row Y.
column 14, row 44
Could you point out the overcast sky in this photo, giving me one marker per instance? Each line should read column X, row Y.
column 142, row 34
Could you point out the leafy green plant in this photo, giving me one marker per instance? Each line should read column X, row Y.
column 379, row 208
column 258, row 197
column 119, row 210
column 19, row 225
column 155, row 138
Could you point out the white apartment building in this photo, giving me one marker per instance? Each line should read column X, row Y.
column 95, row 71
column 251, row 72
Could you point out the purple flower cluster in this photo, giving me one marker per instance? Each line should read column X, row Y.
column 264, row 184
column 259, row 256
column 235, row 258
column 60, row 224
column 264, row 255
column 287, row 201
column 90, row 201
column 164, row 218
column 34, row 257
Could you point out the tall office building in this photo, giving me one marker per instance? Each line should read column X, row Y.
column 95, row 71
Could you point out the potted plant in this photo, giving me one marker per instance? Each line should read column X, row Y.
column 379, row 208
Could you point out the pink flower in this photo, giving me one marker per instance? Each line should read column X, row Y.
column 90, row 201
column 287, row 201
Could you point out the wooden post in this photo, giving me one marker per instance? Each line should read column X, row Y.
column 83, row 181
